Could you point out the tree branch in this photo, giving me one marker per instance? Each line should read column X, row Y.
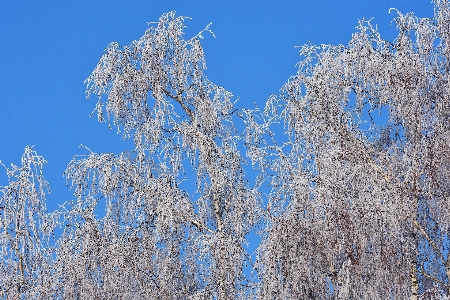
column 179, row 100
column 218, row 215
column 212, row 146
column 201, row 226
column 434, row 278
column 433, row 245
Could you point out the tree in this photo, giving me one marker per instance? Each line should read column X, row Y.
column 353, row 211
column 361, row 211
column 24, row 230
column 156, row 237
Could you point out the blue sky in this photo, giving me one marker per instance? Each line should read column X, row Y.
column 48, row 49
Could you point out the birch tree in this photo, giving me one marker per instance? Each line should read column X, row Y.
column 158, row 240
column 25, row 231
column 360, row 211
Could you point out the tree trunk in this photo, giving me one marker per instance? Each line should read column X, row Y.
column 414, row 284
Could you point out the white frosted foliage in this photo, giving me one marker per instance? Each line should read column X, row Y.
column 347, row 206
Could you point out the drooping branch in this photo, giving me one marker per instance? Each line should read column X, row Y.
column 435, row 279
column 430, row 241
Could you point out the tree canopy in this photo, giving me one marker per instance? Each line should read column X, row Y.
column 355, row 209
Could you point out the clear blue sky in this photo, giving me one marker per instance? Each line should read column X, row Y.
column 48, row 49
